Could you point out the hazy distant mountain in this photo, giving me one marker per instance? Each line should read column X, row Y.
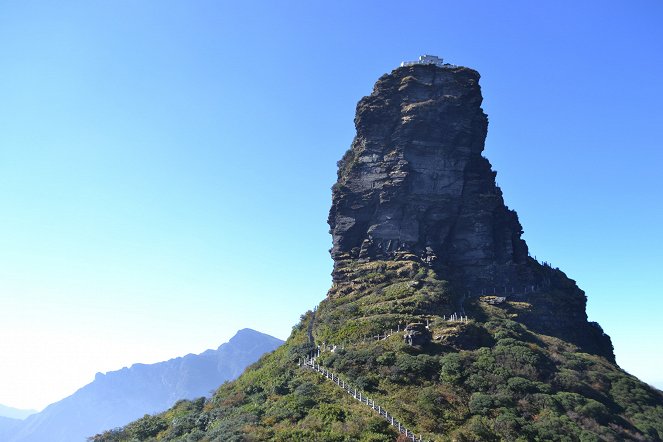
column 15, row 413
column 8, row 426
column 119, row 397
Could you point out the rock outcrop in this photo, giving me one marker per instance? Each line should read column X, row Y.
column 415, row 181
column 415, row 185
column 416, row 334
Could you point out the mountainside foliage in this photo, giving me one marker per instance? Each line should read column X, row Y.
column 490, row 378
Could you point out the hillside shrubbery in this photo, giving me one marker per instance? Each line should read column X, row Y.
column 488, row 380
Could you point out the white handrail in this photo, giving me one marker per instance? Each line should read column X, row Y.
column 311, row 363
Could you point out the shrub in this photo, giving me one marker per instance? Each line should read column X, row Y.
column 595, row 410
column 451, row 368
column 329, row 413
column 478, row 429
column 368, row 382
column 508, row 425
column 480, row 403
column 552, row 427
column 413, row 369
column 147, row 426
column 521, row 385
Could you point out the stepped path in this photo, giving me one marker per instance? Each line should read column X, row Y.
column 310, row 363
column 357, row 394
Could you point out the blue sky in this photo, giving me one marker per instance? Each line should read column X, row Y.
column 165, row 166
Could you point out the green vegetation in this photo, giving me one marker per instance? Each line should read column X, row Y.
column 487, row 380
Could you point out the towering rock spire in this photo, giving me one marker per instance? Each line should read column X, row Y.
column 414, row 181
column 415, row 186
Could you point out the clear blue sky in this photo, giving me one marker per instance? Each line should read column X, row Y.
column 165, row 166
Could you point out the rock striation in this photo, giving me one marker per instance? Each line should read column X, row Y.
column 415, row 185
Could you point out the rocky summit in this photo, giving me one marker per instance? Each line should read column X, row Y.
column 415, row 182
column 415, row 186
column 439, row 325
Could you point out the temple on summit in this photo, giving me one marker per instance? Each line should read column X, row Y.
column 425, row 59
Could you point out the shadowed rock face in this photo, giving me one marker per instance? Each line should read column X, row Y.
column 415, row 181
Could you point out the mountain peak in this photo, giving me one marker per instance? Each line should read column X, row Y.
column 117, row 397
column 415, row 187
column 249, row 335
column 438, row 324
column 15, row 413
column 414, row 184
column 248, row 332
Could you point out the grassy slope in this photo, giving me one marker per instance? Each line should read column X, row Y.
column 475, row 381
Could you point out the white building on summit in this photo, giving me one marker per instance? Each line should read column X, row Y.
column 425, row 59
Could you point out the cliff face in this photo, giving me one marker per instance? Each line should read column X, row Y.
column 415, row 181
column 415, row 186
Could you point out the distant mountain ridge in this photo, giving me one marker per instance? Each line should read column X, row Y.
column 15, row 413
column 8, row 426
column 117, row 397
